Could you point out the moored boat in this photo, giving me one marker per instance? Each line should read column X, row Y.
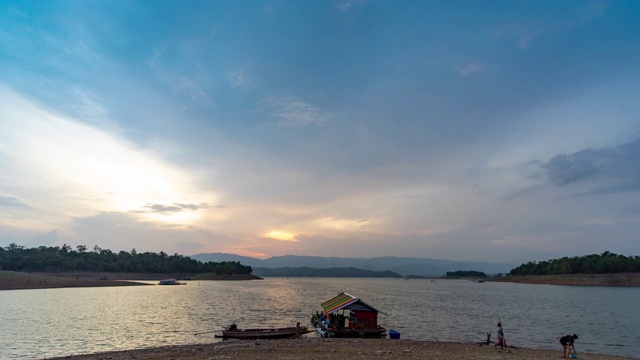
column 233, row 332
column 171, row 282
column 348, row 316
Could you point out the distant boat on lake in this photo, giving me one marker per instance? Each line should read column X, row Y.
column 171, row 282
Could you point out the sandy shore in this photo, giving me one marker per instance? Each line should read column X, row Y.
column 618, row 279
column 13, row 280
column 317, row 348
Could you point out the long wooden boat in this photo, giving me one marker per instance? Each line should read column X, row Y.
column 171, row 282
column 233, row 332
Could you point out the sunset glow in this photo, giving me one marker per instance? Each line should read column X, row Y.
column 280, row 235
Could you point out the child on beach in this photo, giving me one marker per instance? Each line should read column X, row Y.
column 567, row 344
column 500, row 334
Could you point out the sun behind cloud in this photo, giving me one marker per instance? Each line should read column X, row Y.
column 280, row 235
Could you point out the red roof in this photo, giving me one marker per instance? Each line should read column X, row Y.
column 344, row 300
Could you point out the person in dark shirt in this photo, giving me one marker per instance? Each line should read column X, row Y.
column 567, row 344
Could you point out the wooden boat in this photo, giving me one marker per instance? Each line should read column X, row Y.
column 171, row 282
column 233, row 332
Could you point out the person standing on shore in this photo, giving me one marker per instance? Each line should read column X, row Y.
column 500, row 335
column 567, row 344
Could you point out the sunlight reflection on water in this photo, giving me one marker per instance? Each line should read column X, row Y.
column 59, row 322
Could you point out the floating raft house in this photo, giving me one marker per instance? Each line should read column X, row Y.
column 350, row 316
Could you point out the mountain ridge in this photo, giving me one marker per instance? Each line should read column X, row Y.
column 401, row 265
column 306, row 271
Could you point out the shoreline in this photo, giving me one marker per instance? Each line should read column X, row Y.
column 307, row 348
column 14, row 280
column 616, row 279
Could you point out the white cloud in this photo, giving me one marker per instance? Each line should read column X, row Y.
column 524, row 34
column 350, row 5
column 71, row 169
column 470, row 69
column 157, row 55
column 238, row 78
column 293, row 113
column 192, row 89
column 192, row 82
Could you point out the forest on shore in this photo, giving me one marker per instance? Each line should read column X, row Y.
column 465, row 274
column 65, row 259
column 605, row 263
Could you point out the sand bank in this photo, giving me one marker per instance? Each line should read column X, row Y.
column 10, row 280
column 13, row 280
column 618, row 279
column 316, row 348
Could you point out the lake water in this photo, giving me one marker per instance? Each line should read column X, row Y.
column 35, row 324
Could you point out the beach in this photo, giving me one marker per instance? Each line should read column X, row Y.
column 615, row 279
column 311, row 347
column 15, row 280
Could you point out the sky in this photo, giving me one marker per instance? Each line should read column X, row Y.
column 499, row 131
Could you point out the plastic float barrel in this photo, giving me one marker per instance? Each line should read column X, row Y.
column 323, row 333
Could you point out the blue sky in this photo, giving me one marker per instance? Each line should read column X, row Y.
column 503, row 131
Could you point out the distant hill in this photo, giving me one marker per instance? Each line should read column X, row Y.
column 401, row 265
column 350, row 272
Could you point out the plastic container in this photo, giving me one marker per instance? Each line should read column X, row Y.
column 394, row 334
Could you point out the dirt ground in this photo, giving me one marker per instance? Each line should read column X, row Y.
column 308, row 348
column 10, row 280
column 13, row 280
column 619, row 279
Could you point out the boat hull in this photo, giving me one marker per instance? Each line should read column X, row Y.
column 171, row 282
column 268, row 333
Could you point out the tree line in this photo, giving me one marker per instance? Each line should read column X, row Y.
column 604, row 263
column 461, row 273
column 65, row 259
column 305, row 271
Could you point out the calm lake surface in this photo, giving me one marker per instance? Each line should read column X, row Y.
column 35, row 324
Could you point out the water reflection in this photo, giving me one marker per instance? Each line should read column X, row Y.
column 58, row 322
